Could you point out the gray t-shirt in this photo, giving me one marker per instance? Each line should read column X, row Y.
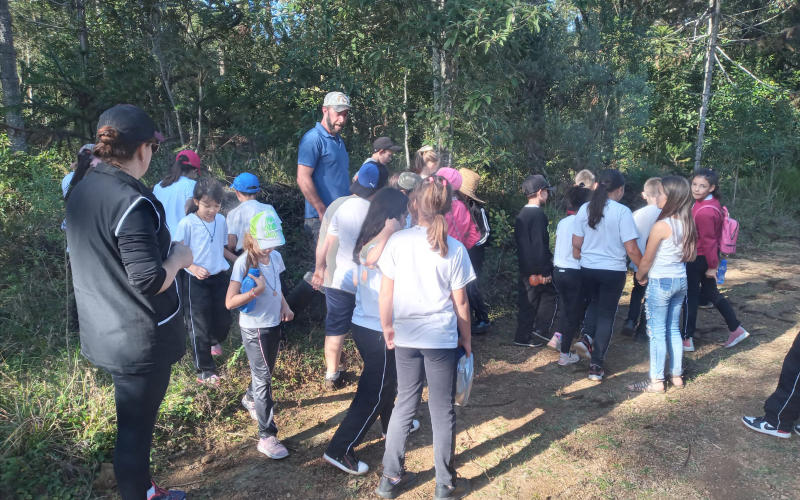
column 267, row 312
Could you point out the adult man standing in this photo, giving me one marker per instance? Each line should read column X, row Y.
column 323, row 175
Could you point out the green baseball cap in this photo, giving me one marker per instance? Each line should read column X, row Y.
column 266, row 229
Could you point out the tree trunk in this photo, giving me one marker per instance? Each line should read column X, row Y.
column 713, row 29
column 165, row 81
column 442, row 100
column 12, row 99
column 405, row 117
column 199, row 111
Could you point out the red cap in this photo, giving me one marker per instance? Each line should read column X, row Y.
column 194, row 160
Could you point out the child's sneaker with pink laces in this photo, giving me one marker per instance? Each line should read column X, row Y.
column 272, row 448
column 216, row 350
column 162, row 494
column 211, row 379
column 688, row 345
column 736, row 336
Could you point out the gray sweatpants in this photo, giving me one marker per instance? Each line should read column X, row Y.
column 414, row 366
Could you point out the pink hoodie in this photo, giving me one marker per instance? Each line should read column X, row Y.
column 460, row 225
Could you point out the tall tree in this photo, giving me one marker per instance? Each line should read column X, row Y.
column 12, row 100
column 711, row 48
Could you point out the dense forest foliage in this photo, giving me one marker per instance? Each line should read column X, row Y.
column 505, row 87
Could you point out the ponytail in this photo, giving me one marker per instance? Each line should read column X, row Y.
column 432, row 202
column 249, row 245
column 179, row 168
column 610, row 180
column 84, row 162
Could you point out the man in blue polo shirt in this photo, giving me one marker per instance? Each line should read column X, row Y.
column 323, row 174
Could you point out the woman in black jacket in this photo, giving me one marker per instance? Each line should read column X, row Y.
column 124, row 272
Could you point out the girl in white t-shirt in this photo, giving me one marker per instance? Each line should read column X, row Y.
column 567, row 278
column 423, row 307
column 377, row 386
column 261, row 326
column 177, row 186
column 604, row 232
column 672, row 243
column 205, row 232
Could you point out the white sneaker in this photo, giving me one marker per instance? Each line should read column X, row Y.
column 568, row 359
column 414, row 427
column 688, row 345
column 555, row 342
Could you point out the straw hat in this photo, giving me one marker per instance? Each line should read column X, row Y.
column 470, row 183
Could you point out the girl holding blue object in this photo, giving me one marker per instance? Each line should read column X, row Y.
column 261, row 326
column 672, row 242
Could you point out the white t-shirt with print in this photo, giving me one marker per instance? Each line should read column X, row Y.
column 562, row 256
column 346, row 225
column 424, row 317
column 603, row 247
column 644, row 218
column 238, row 219
column 197, row 234
column 267, row 310
column 174, row 197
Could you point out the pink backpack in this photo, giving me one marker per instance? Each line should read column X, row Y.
column 730, row 230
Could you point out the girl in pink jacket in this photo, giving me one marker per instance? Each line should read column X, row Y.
column 459, row 223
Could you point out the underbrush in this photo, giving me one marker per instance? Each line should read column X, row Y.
column 57, row 419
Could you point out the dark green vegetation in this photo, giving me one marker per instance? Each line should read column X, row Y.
column 508, row 87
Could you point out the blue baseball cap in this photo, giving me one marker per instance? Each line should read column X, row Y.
column 246, row 183
column 371, row 177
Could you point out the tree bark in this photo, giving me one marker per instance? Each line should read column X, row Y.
column 165, row 81
column 12, row 99
column 442, row 100
column 199, row 111
column 405, row 117
column 713, row 29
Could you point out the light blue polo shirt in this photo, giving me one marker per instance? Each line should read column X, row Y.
column 326, row 154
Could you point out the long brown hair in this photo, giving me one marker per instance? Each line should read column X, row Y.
column 432, row 200
column 422, row 156
column 679, row 204
column 250, row 245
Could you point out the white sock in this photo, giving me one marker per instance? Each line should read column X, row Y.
column 332, row 376
column 151, row 491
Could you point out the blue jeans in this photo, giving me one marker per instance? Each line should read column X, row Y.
column 662, row 302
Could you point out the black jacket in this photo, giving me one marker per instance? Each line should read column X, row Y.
column 533, row 242
column 117, row 242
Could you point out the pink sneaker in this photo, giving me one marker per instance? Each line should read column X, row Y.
column 272, row 448
column 688, row 345
column 555, row 342
column 736, row 336
column 216, row 350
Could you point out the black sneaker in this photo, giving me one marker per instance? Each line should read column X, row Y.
column 641, row 337
column 797, row 429
column 628, row 328
column 335, row 383
column 596, row 373
column 481, row 327
column 759, row 424
column 348, row 463
column 705, row 305
column 583, row 347
column 529, row 342
column 460, row 490
column 537, row 333
column 386, row 489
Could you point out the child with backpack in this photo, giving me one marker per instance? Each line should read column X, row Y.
column 644, row 218
column 261, row 325
column 672, row 242
column 712, row 224
column 459, row 223
column 467, row 194
column 567, row 279
column 204, row 231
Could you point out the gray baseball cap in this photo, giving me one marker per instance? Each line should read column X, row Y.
column 336, row 100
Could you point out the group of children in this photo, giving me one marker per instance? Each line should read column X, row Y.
column 673, row 245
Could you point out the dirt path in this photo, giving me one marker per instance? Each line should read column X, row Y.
column 537, row 430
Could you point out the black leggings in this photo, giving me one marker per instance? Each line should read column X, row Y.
column 695, row 279
column 137, row 398
column 476, row 303
column 568, row 283
column 209, row 319
column 604, row 289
